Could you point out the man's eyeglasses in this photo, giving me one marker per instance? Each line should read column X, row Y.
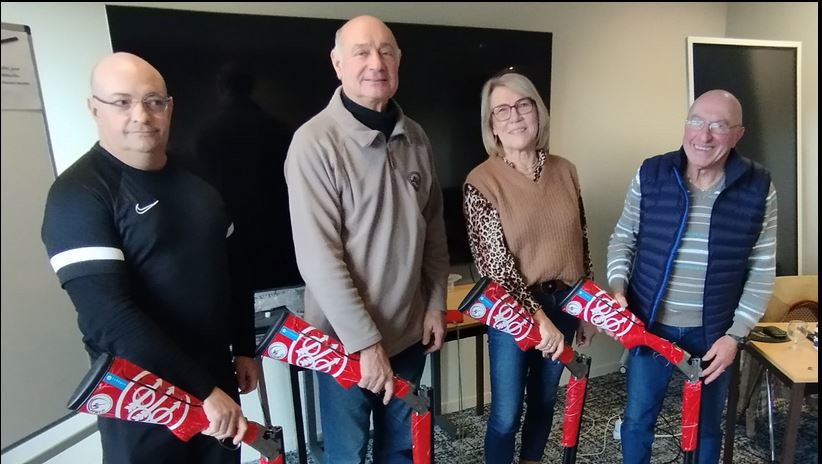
column 503, row 112
column 720, row 128
column 152, row 103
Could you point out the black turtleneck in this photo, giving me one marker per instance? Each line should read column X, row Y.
column 381, row 121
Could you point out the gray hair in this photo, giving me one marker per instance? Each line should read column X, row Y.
column 523, row 86
column 336, row 49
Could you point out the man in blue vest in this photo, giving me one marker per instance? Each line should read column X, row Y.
column 693, row 255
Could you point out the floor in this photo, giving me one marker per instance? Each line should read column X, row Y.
column 604, row 403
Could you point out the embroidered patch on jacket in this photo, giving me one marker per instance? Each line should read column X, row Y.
column 414, row 178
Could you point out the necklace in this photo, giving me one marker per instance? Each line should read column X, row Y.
column 530, row 172
column 530, row 169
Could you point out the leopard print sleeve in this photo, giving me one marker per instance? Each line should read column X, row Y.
column 491, row 255
column 587, row 264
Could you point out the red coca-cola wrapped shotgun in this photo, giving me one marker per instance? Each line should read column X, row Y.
column 589, row 302
column 493, row 305
column 119, row 389
column 292, row 340
column 489, row 303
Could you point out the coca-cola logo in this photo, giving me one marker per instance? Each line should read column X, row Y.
column 507, row 318
column 477, row 310
column 147, row 405
column 99, row 404
column 605, row 313
column 316, row 352
column 277, row 350
column 153, row 403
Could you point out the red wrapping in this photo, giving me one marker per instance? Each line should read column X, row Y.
column 591, row 303
column 279, row 459
column 452, row 316
column 302, row 345
column 498, row 309
column 402, row 388
column 691, row 397
column 298, row 343
column 128, row 392
column 574, row 399
column 421, row 437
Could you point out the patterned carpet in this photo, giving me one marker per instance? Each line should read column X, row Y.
column 604, row 404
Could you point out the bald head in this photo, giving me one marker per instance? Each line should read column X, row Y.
column 132, row 109
column 718, row 128
column 354, row 27
column 367, row 61
column 719, row 101
column 111, row 69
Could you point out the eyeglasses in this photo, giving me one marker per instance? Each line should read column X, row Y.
column 152, row 103
column 503, row 112
column 720, row 128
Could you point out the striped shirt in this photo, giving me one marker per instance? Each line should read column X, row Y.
column 681, row 305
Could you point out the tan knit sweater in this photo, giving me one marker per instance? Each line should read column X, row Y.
column 540, row 220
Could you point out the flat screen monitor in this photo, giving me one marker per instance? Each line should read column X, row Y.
column 285, row 61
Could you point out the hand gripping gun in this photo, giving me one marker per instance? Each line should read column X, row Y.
column 590, row 303
column 491, row 304
column 119, row 389
column 292, row 340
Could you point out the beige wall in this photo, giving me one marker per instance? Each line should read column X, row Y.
column 798, row 22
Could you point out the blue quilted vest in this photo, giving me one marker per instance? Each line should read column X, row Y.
column 736, row 222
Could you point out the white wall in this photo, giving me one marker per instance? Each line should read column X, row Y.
column 798, row 22
column 619, row 93
column 68, row 39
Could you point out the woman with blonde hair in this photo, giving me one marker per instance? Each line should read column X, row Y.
column 526, row 227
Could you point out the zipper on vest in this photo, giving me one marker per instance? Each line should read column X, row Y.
column 672, row 252
column 708, row 263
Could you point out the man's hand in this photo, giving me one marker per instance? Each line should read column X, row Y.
column 721, row 355
column 585, row 333
column 225, row 418
column 552, row 341
column 248, row 373
column 376, row 371
column 433, row 325
column 620, row 298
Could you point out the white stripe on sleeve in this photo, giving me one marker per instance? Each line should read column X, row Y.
column 78, row 255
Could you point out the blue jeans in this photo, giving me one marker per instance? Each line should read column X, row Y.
column 513, row 372
column 345, row 416
column 648, row 377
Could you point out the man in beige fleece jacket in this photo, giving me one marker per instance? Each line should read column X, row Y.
column 366, row 212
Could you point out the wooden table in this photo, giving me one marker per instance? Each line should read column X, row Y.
column 797, row 367
column 466, row 329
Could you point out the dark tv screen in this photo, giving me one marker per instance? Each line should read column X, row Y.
column 283, row 65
